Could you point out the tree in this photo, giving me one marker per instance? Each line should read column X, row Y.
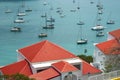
column 88, row 59
column 112, row 63
column 15, row 77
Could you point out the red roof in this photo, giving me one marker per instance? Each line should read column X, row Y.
column 45, row 51
column 63, row 66
column 87, row 68
column 109, row 47
column 21, row 67
column 45, row 75
column 115, row 33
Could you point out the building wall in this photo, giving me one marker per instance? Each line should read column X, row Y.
column 20, row 57
column 110, row 37
column 33, row 69
column 56, row 78
column 70, row 75
column 1, row 72
column 99, row 59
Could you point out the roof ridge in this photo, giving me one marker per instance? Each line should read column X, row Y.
column 45, row 41
column 63, row 49
column 23, row 68
column 64, row 66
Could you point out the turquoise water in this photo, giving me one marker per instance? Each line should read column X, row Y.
column 65, row 33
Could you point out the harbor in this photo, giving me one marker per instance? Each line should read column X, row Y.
column 64, row 16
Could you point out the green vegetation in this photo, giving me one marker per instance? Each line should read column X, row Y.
column 112, row 63
column 86, row 58
column 15, row 77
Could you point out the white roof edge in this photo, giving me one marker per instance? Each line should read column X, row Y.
column 49, row 63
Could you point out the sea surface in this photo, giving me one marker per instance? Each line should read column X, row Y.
column 66, row 31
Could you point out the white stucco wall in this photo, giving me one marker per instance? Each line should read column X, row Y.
column 99, row 58
column 20, row 57
column 76, row 73
column 56, row 78
column 1, row 72
column 46, row 64
column 110, row 37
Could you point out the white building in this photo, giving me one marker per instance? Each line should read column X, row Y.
column 104, row 50
column 47, row 61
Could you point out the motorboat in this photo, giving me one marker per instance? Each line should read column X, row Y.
column 15, row 29
column 97, row 28
column 19, row 20
column 42, row 35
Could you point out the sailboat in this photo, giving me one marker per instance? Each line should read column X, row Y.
column 74, row 9
column 80, row 23
column 21, row 13
column 81, row 40
column 41, row 35
column 19, row 20
column 8, row 10
column 15, row 29
column 48, row 26
column 100, row 34
column 98, row 26
column 110, row 21
column 99, row 5
column 28, row 9
column 91, row 2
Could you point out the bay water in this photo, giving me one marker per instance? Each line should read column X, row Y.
column 65, row 33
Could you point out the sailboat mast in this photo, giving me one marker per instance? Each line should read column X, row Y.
column 81, row 31
column 45, row 19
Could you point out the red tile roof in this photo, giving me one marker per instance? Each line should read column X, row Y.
column 45, row 51
column 45, row 75
column 21, row 67
column 108, row 47
column 115, row 33
column 63, row 66
column 87, row 68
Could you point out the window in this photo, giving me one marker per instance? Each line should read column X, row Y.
column 99, row 53
column 70, row 77
column 78, row 66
